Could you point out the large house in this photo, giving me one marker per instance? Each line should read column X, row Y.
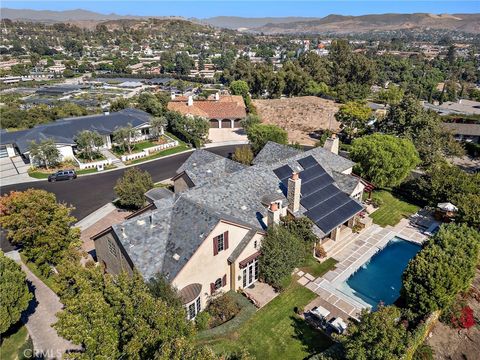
column 64, row 131
column 205, row 237
column 222, row 111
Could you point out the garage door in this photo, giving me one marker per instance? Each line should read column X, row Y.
column 226, row 124
column 214, row 124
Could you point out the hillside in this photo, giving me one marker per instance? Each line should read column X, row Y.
column 359, row 24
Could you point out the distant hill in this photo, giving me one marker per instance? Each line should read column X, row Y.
column 57, row 16
column 236, row 22
column 359, row 24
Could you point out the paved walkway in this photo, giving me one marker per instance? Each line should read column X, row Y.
column 115, row 161
column 41, row 315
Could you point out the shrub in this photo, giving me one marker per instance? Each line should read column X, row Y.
column 131, row 187
column 260, row 134
column 243, row 155
column 222, row 309
column 202, row 321
column 464, row 320
column 423, row 352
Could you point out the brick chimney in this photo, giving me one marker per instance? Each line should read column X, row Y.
column 190, row 101
column 293, row 192
column 273, row 216
column 332, row 144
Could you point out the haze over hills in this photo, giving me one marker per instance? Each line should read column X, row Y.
column 272, row 25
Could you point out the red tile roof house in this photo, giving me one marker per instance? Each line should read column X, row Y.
column 222, row 111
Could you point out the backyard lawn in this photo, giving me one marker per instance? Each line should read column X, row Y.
column 14, row 345
column 391, row 209
column 315, row 268
column 275, row 331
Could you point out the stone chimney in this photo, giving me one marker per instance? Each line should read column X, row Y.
column 190, row 101
column 273, row 216
column 293, row 192
column 172, row 95
column 332, row 144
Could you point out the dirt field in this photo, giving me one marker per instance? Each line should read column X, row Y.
column 451, row 344
column 302, row 116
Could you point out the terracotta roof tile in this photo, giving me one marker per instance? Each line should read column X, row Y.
column 227, row 107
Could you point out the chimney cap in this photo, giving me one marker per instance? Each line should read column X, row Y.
column 294, row 175
column 333, row 136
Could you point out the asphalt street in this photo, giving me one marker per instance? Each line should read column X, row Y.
column 88, row 193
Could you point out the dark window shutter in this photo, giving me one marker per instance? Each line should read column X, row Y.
column 225, row 240
column 212, row 288
column 215, row 246
column 224, row 280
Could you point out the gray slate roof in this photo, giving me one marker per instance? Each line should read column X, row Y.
column 63, row 131
column 273, row 152
column 181, row 223
column 158, row 193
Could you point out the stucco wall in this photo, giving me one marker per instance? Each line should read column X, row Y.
column 204, row 267
column 182, row 183
column 249, row 250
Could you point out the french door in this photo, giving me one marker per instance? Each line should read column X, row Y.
column 250, row 273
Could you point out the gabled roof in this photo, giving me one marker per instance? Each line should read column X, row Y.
column 273, row 152
column 164, row 239
column 63, row 131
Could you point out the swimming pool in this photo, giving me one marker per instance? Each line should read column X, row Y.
column 380, row 279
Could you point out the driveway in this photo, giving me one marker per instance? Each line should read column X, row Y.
column 88, row 193
column 40, row 315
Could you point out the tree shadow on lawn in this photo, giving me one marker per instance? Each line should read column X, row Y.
column 313, row 341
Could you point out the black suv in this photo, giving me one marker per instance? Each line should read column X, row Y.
column 62, row 175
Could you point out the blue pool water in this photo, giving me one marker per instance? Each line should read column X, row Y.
column 380, row 279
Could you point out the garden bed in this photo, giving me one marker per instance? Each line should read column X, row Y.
column 140, row 146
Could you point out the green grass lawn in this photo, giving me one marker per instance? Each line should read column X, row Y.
column 137, row 148
column 49, row 281
column 44, row 175
column 391, row 209
column 15, row 343
column 275, row 331
column 169, row 151
column 312, row 266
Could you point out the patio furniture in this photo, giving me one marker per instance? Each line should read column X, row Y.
column 339, row 325
column 320, row 312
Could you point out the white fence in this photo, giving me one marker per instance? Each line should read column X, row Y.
column 146, row 152
column 93, row 164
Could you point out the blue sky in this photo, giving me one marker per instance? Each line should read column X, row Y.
column 203, row 9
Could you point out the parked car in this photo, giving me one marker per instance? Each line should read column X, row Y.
column 62, row 175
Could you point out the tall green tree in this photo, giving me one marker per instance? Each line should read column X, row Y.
column 353, row 117
column 444, row 267
column 379, row 335
column 88, row 143
column 193, row 130
column 132, row 186
column 123, row 137
column 239, row 87
column 34, row 219
column 45, row 153
column 385, row 160
column 157, row 125
column 14, row 294
column 260, row 134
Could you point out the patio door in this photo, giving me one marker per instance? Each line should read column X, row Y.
column 250, row 273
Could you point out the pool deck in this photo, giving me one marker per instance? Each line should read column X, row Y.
column 360, row 249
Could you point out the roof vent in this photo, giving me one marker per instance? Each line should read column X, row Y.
column 243, row 207
column 122, row 230
column 140, row 222
column 176, row 256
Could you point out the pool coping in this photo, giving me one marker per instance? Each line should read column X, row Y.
column 363, row 248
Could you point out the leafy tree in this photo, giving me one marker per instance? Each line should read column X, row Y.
column 88, row 143
column 444, row 267
column 302, row 227
column 34, row 219
column 282, row 251
column 239, row 87
column 157, row 124
column 378, row 336
column 183, row 63
column 119, row 104
column 193, row 130
column 251, row 120
column 132, row 186
column 260, row 134
column 124, row 137
column 222, row 308
column 150, row 103
column 15, row 296
column 353, row 117
column 392, row 95
column 45, row 153
column 243, row 155
column 111, row 316
column 385, row 160
column 161, row 289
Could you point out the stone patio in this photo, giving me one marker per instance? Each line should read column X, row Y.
column 260, row 294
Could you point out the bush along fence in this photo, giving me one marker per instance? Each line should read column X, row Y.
column 148, row 151
column 100, row 164
column 420, row 334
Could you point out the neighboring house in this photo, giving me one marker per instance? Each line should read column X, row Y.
column 63, row 132
column 464, row 132
column 205, row 237
column 461, row 107
column 222, row 111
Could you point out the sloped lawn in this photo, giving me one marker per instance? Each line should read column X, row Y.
column 275, row 331
column 391, row 209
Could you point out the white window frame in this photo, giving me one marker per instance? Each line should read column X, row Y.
column 220, row 243
column 194, row 306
